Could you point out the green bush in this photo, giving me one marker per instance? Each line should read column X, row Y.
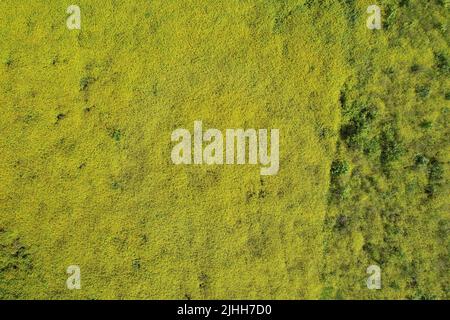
column 421, row 160
column 356, row 132
column 423, row 91
column 442, row 63
column 339, row 168
column 391, row 147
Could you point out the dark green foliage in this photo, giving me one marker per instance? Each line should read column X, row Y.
column 8, row 62
column 447, row 95
column 390, row 13
column 379, row 213
column 356, row 133
column 426, row 124
column 442, row 63
column 415, row 68
column 338, row 168
column 338, row 191
column 351, row 12
column 116, row 134
column 391, row 147
column 342, row 223
column 435, row 171
column 136, row 264
column 423, row 91
column 421, row 160
column 435, row 177
column 372, row 251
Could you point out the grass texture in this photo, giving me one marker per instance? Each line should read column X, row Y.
column 86, row 177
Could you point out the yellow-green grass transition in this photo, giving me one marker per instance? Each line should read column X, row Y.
column 86, row 176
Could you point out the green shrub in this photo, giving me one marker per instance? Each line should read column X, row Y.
column 339, row 168
column 391, row 147
column 426, row 124
column 342, row 223
column 415, row 68
column 435, row 171
column 435, row 176
column 442, row 63
column 116, row 134
column 356, row 132
column 447, row 95
column 421, row 160
column 338, row 191
column 423, row 91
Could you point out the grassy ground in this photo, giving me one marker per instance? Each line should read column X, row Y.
column 86, row 177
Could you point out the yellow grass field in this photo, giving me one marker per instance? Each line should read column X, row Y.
column 86, row 176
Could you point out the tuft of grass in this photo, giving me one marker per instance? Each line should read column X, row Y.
column 116, row 134
column 85, row 82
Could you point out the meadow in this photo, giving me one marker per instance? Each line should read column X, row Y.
column 86, row 176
